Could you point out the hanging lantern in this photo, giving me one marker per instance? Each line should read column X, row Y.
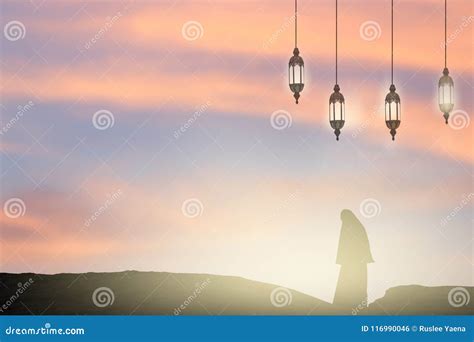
column 392, row 111
column 296, row 74
column 392, row 102
column 296, row 65
column 445, row 84
column 337, row 115
column 446, row 94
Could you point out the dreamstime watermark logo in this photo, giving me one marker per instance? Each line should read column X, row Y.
column 466, row 21
column 370, row 208
column 199, row 111
column 192, row 208
column 14, row 208
column 111, row 198
column 362, row 306
column 275, row 35
column 197, row 291
column 281, row 119
column 103, row 296
column 370, row 30
column 103, row 119
column 281, row 297
column 459, row 119
column 14, row 30
column 465, row 201
column 14, row 297
column 109, row 22
column 376, row 109
column 192, row 30
column 458, row 296
column 284, row 205
column 21, row 110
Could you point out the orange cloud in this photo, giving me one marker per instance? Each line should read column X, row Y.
column 266, row 29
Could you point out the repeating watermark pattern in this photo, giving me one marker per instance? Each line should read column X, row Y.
column 196, row 115
column 370, row 207
column 275, row 35
column 14, row 208
column 458, row 296
column 370, row 30
column 465, row 201
column 281, row 297
column 192, row 30
column 466, row 21
column 390, row 145
column 281, row 119
column 459, row 119
column 103, row 119
column 197, row 291
column 14, row 30
column 109, row 22
column 103, row 296
column 374, row 114
column 362, row 306
column 192, row 207
column 19, row 291
column 111, row 198
column 21, row 110
column 286, row 203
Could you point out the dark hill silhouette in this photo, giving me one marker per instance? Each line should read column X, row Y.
column 151, row 293
column 160, row 293
column 423, row 300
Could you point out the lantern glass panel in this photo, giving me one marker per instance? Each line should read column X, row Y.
column 296, row 74
column 392, row 111
column 446, row 97
column 291, row 74
column 336, row 111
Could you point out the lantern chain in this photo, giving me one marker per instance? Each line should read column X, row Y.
column 445, row 33
column 336, row 41
column 392, row 42
column 296, row 23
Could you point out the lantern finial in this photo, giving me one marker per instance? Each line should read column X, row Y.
column 296, row 96
column 393, row 132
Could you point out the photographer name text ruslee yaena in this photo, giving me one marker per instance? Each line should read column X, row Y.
column 446, row 328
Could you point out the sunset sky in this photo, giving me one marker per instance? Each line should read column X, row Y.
column 185, row 92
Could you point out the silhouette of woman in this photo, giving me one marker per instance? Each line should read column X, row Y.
column 353, row 255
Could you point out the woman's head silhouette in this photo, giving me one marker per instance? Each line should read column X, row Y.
column 348, row 216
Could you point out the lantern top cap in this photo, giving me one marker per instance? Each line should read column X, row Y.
column 445, row 79
column 392, row 96
column 296, row 58
column 336, row 96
